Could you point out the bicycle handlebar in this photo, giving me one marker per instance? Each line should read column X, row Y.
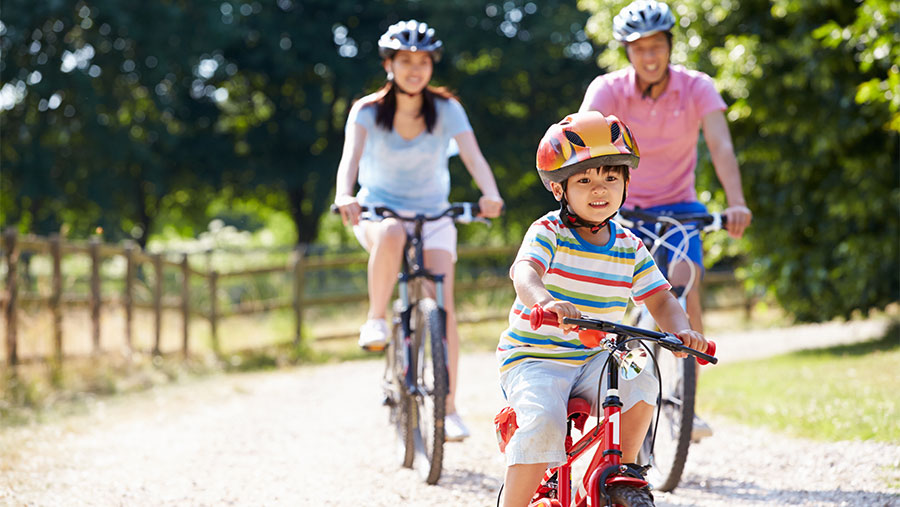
column 591, row 332
column 712, row 221
column 462, row 212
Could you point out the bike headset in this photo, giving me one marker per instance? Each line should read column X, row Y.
column 640, row 19
column 581, row 141
column 409, row 35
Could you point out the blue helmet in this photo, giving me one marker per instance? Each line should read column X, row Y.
column 642, row 18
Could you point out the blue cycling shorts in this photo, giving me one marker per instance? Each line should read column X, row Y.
column 695, row 241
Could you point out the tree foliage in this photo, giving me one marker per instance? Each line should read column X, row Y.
column 813, row 93
column 116, row 115
column 97, row 120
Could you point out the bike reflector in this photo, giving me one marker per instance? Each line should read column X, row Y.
column 505, row 424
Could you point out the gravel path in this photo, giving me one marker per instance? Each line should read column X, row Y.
column 318, row 436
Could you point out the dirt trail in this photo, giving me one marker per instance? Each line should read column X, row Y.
column 318, row 435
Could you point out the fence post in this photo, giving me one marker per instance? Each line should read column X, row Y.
column 213, row 310
column 129, row 295
column 94, row 249
column 185, row 303
column 56, row 296
column 12, row 261
column 299, row 253
column 157, row 303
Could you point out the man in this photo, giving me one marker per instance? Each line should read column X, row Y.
column 665, row 106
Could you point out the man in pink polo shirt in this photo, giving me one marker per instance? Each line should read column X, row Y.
column 665, row 106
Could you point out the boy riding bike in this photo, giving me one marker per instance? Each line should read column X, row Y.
column 666, row 105
column 577, row 262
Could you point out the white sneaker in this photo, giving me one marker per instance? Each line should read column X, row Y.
column 373, row 335
column 455, row 429
column 700, row 429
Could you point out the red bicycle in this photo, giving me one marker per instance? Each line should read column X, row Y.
column 607, row 481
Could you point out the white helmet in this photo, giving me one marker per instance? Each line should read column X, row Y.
column 410, row 35
column 642, row 18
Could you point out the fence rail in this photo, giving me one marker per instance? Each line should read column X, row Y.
column 298, row 266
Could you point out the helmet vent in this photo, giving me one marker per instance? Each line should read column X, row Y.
column 574, row 138
column 614, row 132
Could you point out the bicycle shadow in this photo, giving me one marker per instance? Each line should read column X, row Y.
column 729, row 491
column 460, row 480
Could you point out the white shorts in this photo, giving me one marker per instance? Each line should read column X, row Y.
column 436, row 235
column 539, row 392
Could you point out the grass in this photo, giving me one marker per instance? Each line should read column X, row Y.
column 839, row 393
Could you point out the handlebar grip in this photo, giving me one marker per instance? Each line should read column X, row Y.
column 539, row 315
column 588, row 337
column 711, row 352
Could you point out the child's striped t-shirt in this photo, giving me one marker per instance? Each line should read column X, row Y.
column 598, row 280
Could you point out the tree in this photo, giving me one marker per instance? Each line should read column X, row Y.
column 298, row 68
column 99, row 124
column 812, row 88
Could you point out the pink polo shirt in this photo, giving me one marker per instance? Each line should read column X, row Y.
column 666, row 129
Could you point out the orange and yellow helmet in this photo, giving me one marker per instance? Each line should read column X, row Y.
column 582, row 141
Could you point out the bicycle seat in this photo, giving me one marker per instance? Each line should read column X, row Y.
column 578, row 412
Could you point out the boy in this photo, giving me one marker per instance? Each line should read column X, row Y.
column 575, row 262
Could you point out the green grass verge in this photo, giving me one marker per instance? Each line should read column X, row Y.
column 839, row 393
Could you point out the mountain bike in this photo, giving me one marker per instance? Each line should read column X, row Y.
column 606, row 481
column 675, row 420
column 416, row 378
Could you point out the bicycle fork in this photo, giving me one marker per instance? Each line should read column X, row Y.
column 410, row 348
column 607, row 467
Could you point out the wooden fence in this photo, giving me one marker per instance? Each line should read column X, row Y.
column 297, row 267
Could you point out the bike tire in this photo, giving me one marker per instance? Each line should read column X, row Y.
column 399, row 401
column 630, row 496
column 676, row 421
column 434, row 385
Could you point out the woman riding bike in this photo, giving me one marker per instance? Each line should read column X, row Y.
column 666, row 105
column 397, row 142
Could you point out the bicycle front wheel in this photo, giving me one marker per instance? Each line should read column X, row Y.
column 396, row 398
column 630, row 496
column 676, row 418
column 433, row 384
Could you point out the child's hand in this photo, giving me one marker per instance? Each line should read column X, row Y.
column 691, row 339
column 563, row 309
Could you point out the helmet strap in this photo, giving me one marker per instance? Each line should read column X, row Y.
column 649, row 89
column 572, row 220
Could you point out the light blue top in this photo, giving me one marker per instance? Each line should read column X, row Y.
column 409, row 175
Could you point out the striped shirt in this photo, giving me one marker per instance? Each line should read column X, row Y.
column 598, row 280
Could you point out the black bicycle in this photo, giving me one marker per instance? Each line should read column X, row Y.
column 675, row 418
column 416, row 378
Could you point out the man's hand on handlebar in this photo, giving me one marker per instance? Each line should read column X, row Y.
column 349, row 209
column 737, row 218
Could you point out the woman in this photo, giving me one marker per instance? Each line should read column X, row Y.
column 396, row 147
